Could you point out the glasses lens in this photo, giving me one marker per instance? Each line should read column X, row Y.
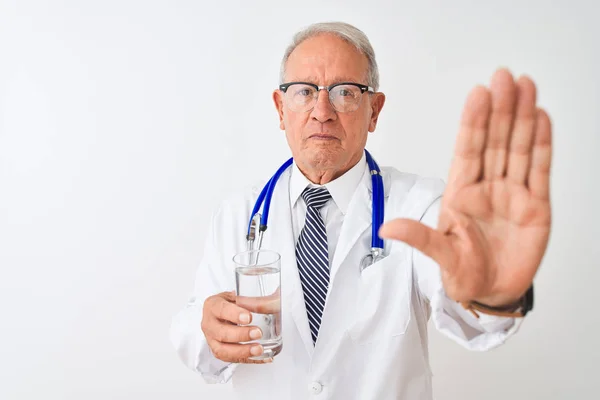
column 345, row 98
column 300, row 97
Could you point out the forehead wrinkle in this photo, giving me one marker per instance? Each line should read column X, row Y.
column 325, row 60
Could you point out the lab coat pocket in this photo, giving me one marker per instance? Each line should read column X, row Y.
column 383, row 300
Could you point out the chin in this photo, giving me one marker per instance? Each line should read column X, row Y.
column 324, row 157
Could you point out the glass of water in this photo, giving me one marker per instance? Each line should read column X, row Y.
column 258, row 290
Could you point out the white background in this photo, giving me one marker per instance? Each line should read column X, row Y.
column 123, row 123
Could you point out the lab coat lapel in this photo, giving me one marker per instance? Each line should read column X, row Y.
column 281, row 239
column 356, row 221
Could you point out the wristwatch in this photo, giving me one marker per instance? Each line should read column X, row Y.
column 518, row 309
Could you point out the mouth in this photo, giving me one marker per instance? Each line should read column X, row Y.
column 322, row 136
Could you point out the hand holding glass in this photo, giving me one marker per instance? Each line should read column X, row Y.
column 258, row 290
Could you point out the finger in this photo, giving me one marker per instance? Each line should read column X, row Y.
column 429, row 241
column 521, row 138
column 466, row 167
column 263, row 305
column 225, row 310
column 503, row 98
column 237, row 353
column 226, row 332
column 541, row 157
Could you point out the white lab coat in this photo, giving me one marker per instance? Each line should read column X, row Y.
column 373, row 338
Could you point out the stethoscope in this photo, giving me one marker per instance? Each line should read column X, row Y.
column 265, row 195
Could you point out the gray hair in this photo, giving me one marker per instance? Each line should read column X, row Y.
column 344, row 31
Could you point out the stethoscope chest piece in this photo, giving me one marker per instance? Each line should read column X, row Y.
column 371, row 258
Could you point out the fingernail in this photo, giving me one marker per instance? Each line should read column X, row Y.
column 268, row 360
column 256, row 350
column 244, row 318
column 255, row 334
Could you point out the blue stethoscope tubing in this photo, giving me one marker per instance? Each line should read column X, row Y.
column 378, row 199
column 264, row 200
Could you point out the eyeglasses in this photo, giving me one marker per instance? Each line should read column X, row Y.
column 344, row 96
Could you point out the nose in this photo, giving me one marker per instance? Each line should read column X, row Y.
column 323, row 111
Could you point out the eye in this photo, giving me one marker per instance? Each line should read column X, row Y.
column 301, row 92
column 346, row 92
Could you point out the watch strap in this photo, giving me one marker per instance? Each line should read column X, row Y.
column 518, row 309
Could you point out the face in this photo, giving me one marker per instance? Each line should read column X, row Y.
column 322, row 140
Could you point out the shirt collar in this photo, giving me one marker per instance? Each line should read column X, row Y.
column 341, row 189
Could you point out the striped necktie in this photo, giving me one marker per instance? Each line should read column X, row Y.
column 313, row 258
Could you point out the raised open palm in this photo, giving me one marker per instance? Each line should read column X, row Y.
column 495, row 216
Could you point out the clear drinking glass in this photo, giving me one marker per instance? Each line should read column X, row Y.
column 258, row 289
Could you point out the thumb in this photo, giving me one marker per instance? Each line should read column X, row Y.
column 418, row 235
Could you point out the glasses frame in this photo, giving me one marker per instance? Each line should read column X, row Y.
column 363, row 88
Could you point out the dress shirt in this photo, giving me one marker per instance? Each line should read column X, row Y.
column 341, row 190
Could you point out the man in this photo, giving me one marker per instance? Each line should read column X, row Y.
column 466, row 259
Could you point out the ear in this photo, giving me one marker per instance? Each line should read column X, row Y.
column 278, row 100
column 377, row 102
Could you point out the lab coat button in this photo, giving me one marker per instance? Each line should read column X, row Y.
column 315, row 388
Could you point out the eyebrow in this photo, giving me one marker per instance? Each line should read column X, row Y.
column 336, row 79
